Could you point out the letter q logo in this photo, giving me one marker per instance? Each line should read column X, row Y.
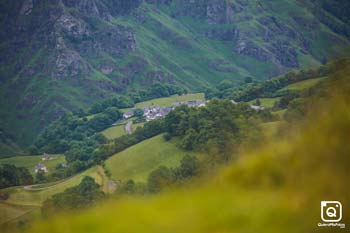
column 331, row 211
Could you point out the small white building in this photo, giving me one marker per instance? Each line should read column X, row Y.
column 128, row 114
column 256, row 107
column 46, row 157
column 40, row 167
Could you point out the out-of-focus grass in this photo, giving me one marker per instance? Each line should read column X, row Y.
column 277, row 188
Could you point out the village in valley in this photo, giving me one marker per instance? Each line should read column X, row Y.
column 151, row 113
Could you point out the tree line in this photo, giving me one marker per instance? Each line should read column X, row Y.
column 11, row 175
column 250, row 89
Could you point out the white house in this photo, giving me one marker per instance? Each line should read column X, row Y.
column 40, row 167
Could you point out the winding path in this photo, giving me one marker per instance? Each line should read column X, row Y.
column 128, row 127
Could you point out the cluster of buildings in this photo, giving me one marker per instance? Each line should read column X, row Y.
column 154, row 112
column 40, row 166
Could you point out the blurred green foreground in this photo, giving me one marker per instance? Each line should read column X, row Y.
column 277, row 188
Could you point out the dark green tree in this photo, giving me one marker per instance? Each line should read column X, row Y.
column 159, row 178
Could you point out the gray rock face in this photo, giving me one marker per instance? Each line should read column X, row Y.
column 90, row 7
column 27, row 7
column 69, row 64
column 115, row 41
column 249, row 48
column 72, row 27
column 216, row 12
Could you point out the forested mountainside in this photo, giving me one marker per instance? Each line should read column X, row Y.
column 61, row 55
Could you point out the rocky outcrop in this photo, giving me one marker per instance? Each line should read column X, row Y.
column 90, row 7
column 27, row 7
column 246, row 47
column 72, row 27
column 216, row 12
column 115, row 41
column 69, row 64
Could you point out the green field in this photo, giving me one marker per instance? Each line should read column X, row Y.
column 29, row 162
column 302, row 84
column 266, row 102
column 114, row 132
column 118, row 130
column 135, row 163
column 168, row 101
column 139, row 160
column 24, row 201
column 21, row 196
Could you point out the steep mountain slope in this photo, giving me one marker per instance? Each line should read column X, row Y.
column 63, row 54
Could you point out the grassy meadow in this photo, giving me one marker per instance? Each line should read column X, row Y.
column 139, row 160
column 29, row 162
column 266, row 102
column 118, row 130
column 303, row 84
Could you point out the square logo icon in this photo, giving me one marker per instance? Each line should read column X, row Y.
column 331, row 211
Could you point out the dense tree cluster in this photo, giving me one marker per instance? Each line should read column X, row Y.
column 117, row 102
column 83, row 195
column 219, row 124
column 225, row 89
column 251, row 90
column 268, row 88
column 163, row 176
column 72, row 131
column 11, row 175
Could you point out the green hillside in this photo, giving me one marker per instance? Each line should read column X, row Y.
column 135, row 163
column 139, row 160
column 303, row 84
column 273, row 188
column 25, row 203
